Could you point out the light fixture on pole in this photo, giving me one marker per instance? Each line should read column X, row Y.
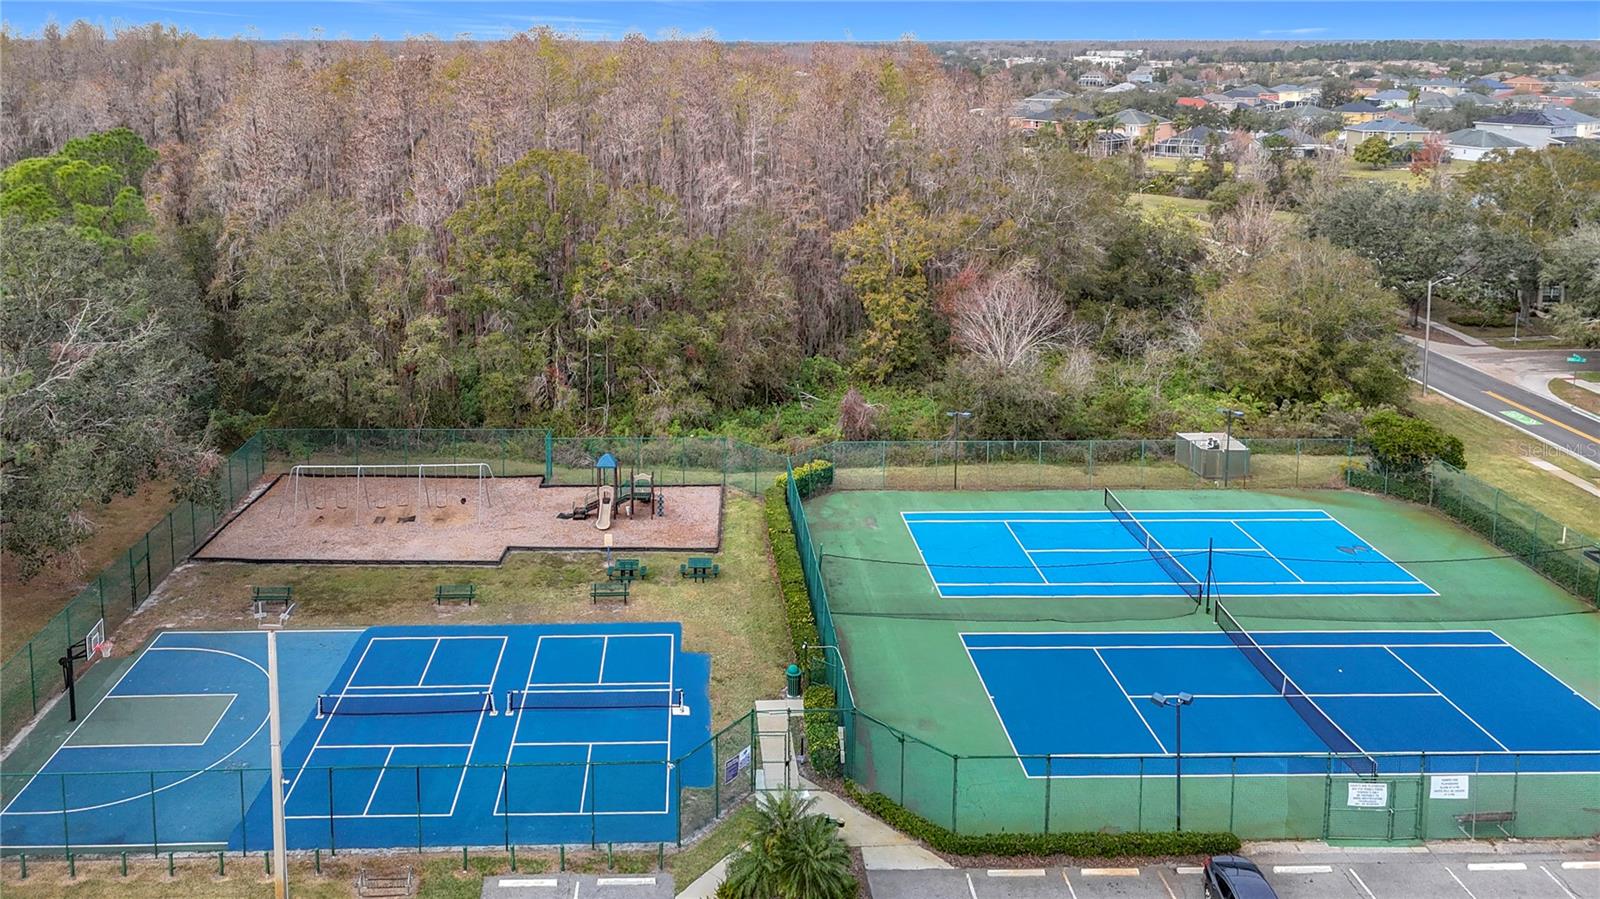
column 1230, row 415
column 1176, row 702
column 1427, row 330
column 956, row 418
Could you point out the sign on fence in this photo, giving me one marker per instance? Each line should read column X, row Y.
column 1367, row 795
column 732, row 768
column 1448, row 786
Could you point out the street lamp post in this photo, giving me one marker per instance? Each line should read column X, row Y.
column 1227, row 445
column 1177, row 702
column 1427, row 330
column 956, row 418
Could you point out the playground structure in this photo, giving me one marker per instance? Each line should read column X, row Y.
column 405, row 489
column 608, row 497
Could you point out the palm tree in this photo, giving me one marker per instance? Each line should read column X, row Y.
column 793, row 854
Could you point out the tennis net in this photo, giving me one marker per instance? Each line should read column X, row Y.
column 1168, row 562
column 468, row 702
column 1315, row 718
column 652, row 698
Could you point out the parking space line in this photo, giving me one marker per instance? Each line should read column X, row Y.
column 1559, row 882
column 1166, row 886
column 970, row 888
column 1363, row 884
column 1496, row 866
column 1109, row 872
column 1066, row 878
column 1016, row 872
column 1580, row 866
column 1459, row 883
column 1302, row 869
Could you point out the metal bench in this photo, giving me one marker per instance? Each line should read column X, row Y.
column 1470, row 821
column 626, row 570
column 608, row 590
column 455, row 593
column 263, row 597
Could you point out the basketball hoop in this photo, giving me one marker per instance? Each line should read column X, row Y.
column 103, row 649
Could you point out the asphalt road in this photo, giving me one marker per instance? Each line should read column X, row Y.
column 1541, row 419
column 1336, row 875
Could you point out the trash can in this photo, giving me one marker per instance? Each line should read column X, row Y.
column 793, row 674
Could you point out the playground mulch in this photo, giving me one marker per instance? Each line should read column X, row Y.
column 333, row 521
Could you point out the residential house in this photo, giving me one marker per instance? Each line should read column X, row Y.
column 1472, row 144
column 1446, row 86
column 1566, row 96
column 1359, row 111
column 1535, row 128
column 1137, row 124
column 1395, row 131
column 1055, row 118
column 1591, row 80
column 1301, row 144
column 1094, row 78
column 1525, row 84
column 1040, row 102
column 1583, row 125
column 1121, row 88
column 1142, row 75
column 1295, row 94
column 1430, row 101
column 1193, row 102
column 1191, row 143
column 1394, row 98
column 1556, row 81
column 1108, row 57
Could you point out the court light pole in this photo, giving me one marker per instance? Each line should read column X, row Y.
column 1231, row 415
column 957, row 417
column 280, row 853
column 1176, row 702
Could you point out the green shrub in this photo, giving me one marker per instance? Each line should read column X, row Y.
column 1477, row 318
column 1400, row 443
column 1078, row 845
column 822, row 730
column 786, row 557
column 809, row 477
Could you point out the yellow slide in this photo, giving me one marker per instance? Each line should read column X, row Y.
column 608, row 501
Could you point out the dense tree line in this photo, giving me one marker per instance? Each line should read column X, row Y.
column 634, row 237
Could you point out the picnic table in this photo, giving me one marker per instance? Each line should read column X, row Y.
column 626, row 570
column 699, row 567
column 608, row 590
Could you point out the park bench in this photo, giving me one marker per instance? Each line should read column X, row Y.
column 1469, row 822
column 699, row 568
column 263, row 597
column 626, row 570
column 608, row 590
column 455, row 593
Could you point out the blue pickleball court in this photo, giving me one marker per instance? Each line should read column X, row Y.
column 1088, row 554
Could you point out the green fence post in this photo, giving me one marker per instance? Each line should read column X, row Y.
column 955, row 789
column 100, row 591
column 66, row 830
column 172, row 868
column 23, row 858
column 1047, row 795
column 418, row 771
column 124, row 855
column 133, row 581
column 155, row 833
column 549, row 456
column 72, row 865
column 33, row 681
column 244, row 827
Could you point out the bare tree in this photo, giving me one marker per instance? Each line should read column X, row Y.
column 1006, row 319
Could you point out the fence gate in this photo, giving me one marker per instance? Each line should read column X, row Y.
column 1384, row 808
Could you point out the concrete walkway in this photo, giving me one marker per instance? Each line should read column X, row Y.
column 882, row 847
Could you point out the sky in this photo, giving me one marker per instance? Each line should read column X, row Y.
column 831, row 20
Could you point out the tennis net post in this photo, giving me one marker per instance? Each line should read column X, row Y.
column 1187, row 582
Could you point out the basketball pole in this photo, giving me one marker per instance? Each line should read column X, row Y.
column 280, row 855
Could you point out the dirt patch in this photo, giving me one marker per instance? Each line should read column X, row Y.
column 448, row 520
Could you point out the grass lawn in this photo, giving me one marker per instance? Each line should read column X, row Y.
column 1155, row 204
column 737, row 617
column 1174, row 164
column 1495, row 455
column 25, row 606
column 1587, row 400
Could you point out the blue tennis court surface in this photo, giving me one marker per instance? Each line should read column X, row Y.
column 1467, row 699
column 395, row 737
column 1084, row 554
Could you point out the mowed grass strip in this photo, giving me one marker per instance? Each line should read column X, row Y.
column 737, row 617
column 1496, row 455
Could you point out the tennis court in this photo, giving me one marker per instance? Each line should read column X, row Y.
column 1122, row 553
column 1361, row 702
column 395, row 737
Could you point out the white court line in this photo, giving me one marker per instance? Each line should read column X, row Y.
column 1270, row 554
column 1066, row 584
column 1018, row 540
column 996, row 709
column 1185, row 550
column 394, row 746
column 1369, row 545
column 423, row 678
column 583, row 794
column 605, row 646
column 594, row 743
column 138, row 796
column 377, row 783
column 1131, row 703
column 1452, row 702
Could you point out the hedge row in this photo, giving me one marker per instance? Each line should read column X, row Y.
column 822, row 731
column 809, row 478
column 1078, row 845
column 786, row 556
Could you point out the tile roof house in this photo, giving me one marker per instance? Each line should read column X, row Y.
column 1525, row 84
column 1395, row 131
column 1358, row 111
column 1472, row 144
column 1136, row 123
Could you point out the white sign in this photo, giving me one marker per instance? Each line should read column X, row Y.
column 1448, row 786
column 1367, row 795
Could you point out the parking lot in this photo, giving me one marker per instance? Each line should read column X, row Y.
column 1355, row 873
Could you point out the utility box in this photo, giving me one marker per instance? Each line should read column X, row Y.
column 1214, row 456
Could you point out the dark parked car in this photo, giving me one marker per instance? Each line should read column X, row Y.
column 1233, row 877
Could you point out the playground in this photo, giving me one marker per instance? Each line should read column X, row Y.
column 342, row 514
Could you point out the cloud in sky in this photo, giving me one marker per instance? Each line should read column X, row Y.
column 1302, row 32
